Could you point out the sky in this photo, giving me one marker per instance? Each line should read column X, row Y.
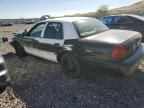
column 37, row 8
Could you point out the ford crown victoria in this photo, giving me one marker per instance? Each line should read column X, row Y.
column 74, row 41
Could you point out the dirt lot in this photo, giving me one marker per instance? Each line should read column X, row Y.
column 41, row 84
column 9, row 30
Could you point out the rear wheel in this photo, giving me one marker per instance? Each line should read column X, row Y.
column 19, row 50
column 70, row 65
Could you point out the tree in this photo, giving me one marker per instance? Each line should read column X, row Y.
column 102, row 11
column 45, row 17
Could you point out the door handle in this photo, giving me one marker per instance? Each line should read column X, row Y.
column 57, row 44
column 31, row 41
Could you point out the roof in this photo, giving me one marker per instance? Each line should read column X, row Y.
column 66, row 19
column 121, row 15
column 132, row 15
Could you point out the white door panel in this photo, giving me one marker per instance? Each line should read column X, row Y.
column 42, row 54
column 49, row 54
column 51, row 41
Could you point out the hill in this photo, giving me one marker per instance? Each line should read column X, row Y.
column 136, row 8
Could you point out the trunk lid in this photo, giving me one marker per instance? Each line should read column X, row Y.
column 130, row 40
column 115, row 36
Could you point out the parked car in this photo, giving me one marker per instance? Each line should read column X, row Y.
column 75, row 41
column 7, row 24
column 125, row 22
column 29, row 21
column 4, row 77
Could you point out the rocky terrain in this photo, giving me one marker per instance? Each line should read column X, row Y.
column 8, row 100
column 136, row 8
column 9, row 30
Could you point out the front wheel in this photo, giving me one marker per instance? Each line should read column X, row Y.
column 19, row 50
column 70, row 65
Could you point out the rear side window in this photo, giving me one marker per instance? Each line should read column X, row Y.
column 137, row 21
column 121, row 20
column 54, row 30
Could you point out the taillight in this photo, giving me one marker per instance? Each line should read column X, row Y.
column 119, row 52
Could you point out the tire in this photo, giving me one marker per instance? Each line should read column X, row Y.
column 19, row 50
column 70, row 65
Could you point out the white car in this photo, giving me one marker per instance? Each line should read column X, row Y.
column 75, row 41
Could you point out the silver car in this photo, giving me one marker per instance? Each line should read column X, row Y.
column 4, row 77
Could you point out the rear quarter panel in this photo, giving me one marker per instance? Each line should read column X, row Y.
column 92, row 50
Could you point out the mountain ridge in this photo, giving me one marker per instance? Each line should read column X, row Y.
column 135, row 8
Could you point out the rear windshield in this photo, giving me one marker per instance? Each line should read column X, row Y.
column 90, row 26
column 138, row 17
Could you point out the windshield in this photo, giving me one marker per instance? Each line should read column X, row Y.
column 90, row 26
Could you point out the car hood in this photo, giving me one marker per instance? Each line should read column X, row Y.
column 18, row 33
column 114, row 36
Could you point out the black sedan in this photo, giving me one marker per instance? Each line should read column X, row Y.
column 125, row 22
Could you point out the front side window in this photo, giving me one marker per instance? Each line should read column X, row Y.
column 54, row 30
column 107, row 20
column 90, row 26
column 37, row 30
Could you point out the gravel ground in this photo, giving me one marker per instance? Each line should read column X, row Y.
column 41, row 84
column 8, row 100
column 9, row 30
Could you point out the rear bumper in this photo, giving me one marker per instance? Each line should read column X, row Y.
column 127, row 66
column 131, row 64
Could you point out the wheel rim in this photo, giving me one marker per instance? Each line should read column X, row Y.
column 69, row 65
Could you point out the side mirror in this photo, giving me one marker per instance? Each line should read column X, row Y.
column 25, row 32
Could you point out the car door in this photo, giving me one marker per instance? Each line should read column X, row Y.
column 52, row 41
column 121, row 22
column 31, row 40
